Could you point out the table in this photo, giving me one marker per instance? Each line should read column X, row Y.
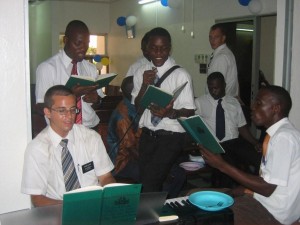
column 247, row 211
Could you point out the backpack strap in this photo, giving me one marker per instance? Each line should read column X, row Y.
column 165, row 75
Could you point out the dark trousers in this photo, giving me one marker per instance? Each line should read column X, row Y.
column 241, row 154
column 158, row 151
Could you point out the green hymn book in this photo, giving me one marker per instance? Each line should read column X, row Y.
column 157, row 96
column 102, row 80
column 200, row 133
column 112, row 204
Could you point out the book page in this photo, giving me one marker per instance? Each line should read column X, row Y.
column 103, row 76
column 84, row 189
column 178, row 90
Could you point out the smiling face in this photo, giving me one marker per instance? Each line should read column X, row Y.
column 77, row 43
column 216, row 38
column 158, row 49
column 61, row 124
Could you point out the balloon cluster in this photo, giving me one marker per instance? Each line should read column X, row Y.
column 128, row 21
column 254, row 6
column 100, row 61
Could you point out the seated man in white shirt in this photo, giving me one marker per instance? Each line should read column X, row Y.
column 240, row 151
column 277, row 188
column 44, row 177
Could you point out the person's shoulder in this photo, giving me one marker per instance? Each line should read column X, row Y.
column 50, row 62
column 84, row 132
column 40, row 142
column 88, row 63
column 232, row 101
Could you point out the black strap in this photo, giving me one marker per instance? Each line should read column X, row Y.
column 166, row 74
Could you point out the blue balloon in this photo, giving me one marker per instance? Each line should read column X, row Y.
column 164, row 2
column 244, row 2
column 121, row 21
column 97, row 58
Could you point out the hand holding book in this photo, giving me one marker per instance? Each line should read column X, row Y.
column 161, row 112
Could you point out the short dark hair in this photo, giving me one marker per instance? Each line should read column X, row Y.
column 60, row 90
column 75, row 24
column 282, row 96
column 216, row 76
column 127, row 86
column 219, row 26
column 159, row 31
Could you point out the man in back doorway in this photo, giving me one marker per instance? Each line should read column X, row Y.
column 222, row 60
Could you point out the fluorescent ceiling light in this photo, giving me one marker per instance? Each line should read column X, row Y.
column 146, row 1
column 243, row 29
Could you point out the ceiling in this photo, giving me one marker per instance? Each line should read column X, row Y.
column 100, row 1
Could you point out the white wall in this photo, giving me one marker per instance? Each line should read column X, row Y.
column 15, row 105
column 124, row 51
column 48, row 19
column 295, row 77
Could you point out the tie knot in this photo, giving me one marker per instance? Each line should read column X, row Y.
column 74, row 62
column 64, row 143
column 220, row 100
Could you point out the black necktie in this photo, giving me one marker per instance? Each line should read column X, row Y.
column 220, row 121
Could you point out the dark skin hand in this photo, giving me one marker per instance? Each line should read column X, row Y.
column 255, row 183
column 89, row 92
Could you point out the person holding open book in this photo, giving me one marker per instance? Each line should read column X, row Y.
column 70, row 61
column 239, row 144
column 64, row 156
column 162, row 137
column 277, row 187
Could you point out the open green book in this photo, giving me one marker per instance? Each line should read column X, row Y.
column 200, row 133
column 159, row 97
column 112, row 204
column 102, row 80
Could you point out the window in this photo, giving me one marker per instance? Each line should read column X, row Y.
column 97, row 46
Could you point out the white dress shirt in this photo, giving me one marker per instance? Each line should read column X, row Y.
column 174, row 80
column 42, row 172
column 223, row 61
column 282, row 168
column 234, row 117
column 57, row 70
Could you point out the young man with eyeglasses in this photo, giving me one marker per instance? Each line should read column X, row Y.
column 43, row 176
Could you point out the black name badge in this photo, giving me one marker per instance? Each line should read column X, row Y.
column 88, row 167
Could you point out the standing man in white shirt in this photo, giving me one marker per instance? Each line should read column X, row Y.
column 161, row 143
column 222, row 59
column 57, row 70
column 44, row 174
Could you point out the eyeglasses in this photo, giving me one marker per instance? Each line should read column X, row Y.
column 64, row 111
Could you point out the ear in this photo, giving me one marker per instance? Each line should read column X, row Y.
column 47, row 113
column 277, row 108
column 65, row 39
column 223, row 38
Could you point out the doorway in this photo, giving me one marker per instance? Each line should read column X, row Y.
column 252, row 41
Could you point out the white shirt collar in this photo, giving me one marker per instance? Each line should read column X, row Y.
column 272, row 129
column 56, row 139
